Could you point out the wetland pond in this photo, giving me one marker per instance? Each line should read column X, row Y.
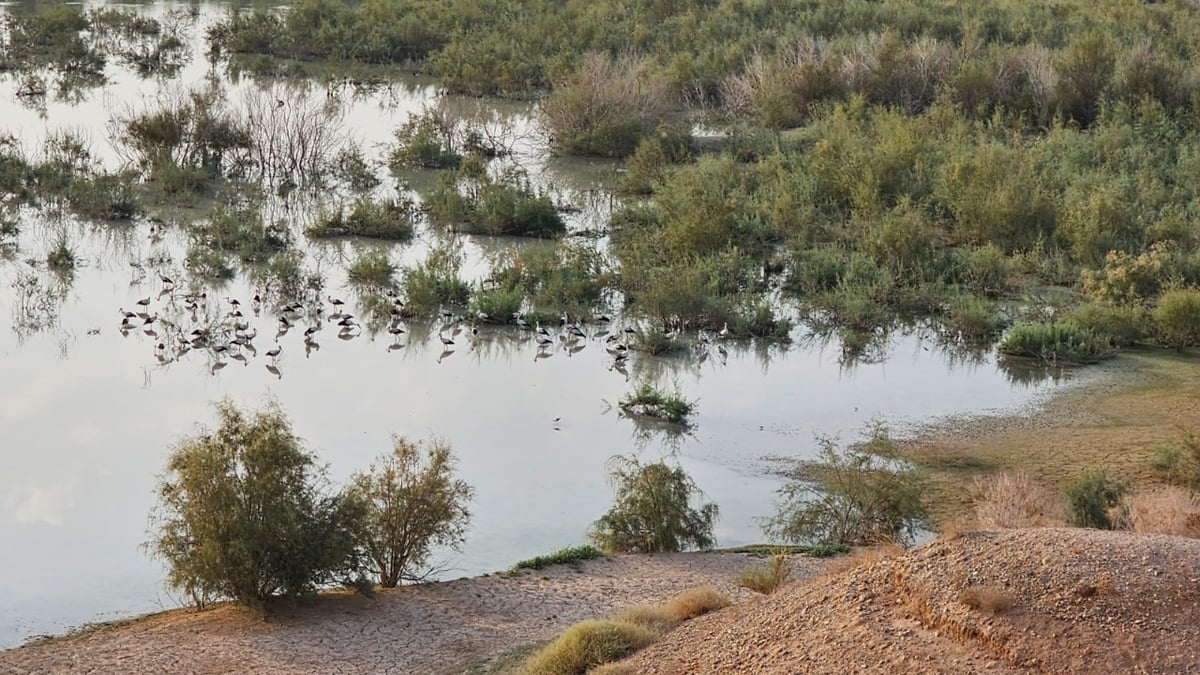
column 89, row 412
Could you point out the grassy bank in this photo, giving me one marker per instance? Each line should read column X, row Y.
column 1140, row 402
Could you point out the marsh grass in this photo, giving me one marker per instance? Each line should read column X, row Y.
column 372, row 269
column 238, row 229
column 62, row 257
column 649, row 401
column 379, row 219
column 472, row 201
column 498, row 306
column 435, row 282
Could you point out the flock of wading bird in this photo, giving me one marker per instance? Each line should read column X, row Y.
column 227, row 330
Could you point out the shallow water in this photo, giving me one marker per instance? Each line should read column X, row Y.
column 89, row 414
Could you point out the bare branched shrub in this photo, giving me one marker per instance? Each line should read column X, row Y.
column 779, row 91
column 292, row 136
column 1168, row 510
column 993, row 599
column 1014, row 499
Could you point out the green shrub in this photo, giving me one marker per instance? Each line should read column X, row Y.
column 286, row 278
column 567, row 556
column 1093, row 498
column 514, row 209
column 425, row 141
column 105, row 196
column 245, row 513
column 648, row 401
column 498, row 305
column 351, row 168
column 854, row 496
column 62, row 257
column 208, row 263
column 435, row 282
column 385, row 219
column 411, row 502
column 653, row 511
column 1178, row 317
column 986, row 270
column 1180, row 464
column 1053, row 342
column 1121, row 325
column 238, row 228
column 586, row 645
column 372, row 269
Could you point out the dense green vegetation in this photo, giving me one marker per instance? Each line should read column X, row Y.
column 247, row 514
column 936, row 159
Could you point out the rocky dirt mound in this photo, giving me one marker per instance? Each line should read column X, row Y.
column 1040, row 600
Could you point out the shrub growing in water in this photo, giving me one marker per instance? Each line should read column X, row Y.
column 425, row 141
column 650, row 402
column 245, row 513
column 411, row 503
column 373, row 269
column 653, row 511
column 384, row 219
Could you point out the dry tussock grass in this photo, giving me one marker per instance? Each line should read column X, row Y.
column 588, row 644
column 993, row 599
column 1015, row 499
column 694, row 602
column 586, row 647
column 766, row 580
column 1167, row 510
column 654, row 618
column 863, row 557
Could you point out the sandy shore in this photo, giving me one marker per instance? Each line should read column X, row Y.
column 430, row 628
